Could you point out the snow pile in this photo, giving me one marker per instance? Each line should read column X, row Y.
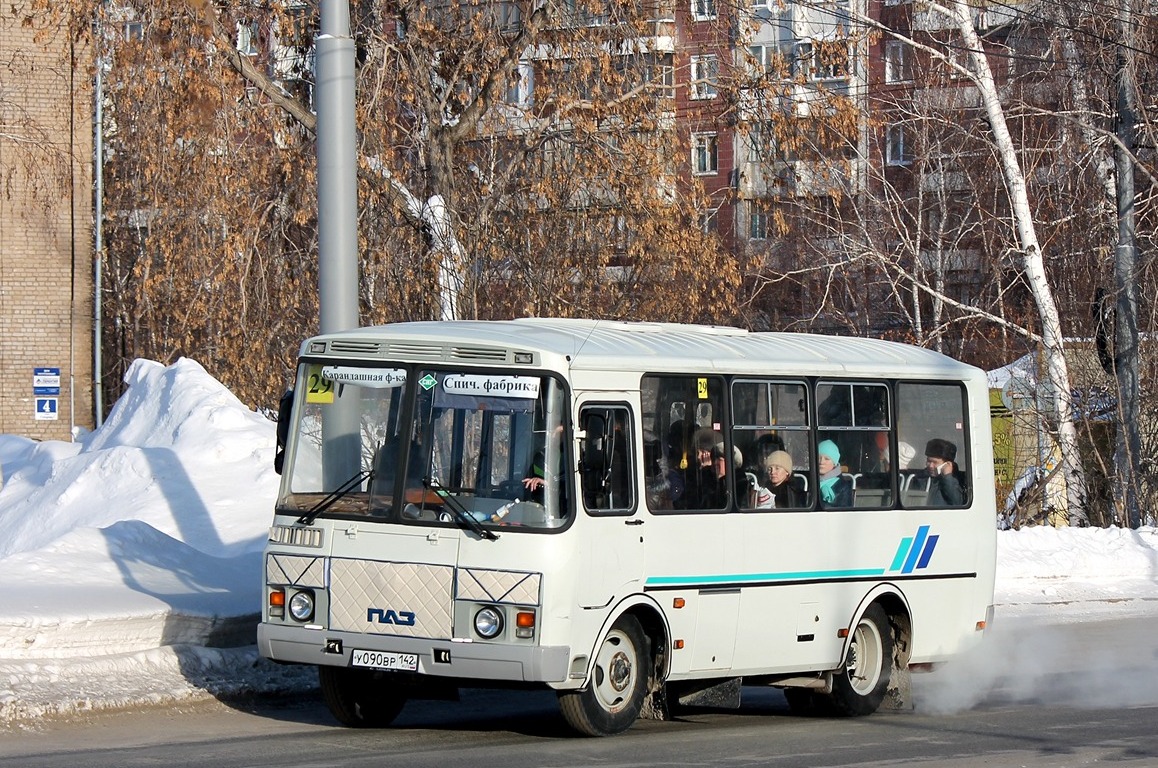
column 130, row 561
column 1100, row 567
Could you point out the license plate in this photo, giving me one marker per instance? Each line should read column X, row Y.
column 385, row 660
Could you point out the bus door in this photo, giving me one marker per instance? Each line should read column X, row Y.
column 613, row 528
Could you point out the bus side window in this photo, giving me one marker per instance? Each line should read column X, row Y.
column 770, row 427
column 930, row 414
column 855, row 416
column 606, row 460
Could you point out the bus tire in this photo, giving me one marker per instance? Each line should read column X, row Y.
column 360, row 698
column 859, row 686
column 613, row 697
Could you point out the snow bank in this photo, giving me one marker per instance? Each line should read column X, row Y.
column 1097, row 567
column 146, row 532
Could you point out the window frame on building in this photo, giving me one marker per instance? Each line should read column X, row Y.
column 705, row 73
column 705, row 153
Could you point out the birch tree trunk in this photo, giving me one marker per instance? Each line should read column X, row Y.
column 1033, row 264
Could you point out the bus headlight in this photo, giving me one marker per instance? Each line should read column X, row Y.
column 488, row 622
column 301, row 605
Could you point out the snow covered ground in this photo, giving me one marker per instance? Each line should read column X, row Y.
column 130, row 559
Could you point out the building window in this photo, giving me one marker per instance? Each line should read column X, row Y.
column 134, row 30
column 704, row 10
column 757, row 138
column 705, row 153
column 247, row 38
column 801, row 65
column 510, row 17
column 759, row 220
column 660, row 75
column 520, row 89
column 897, row 62
column 763, row 57
column 829, row 60
column 897, row 146
column 705, row 74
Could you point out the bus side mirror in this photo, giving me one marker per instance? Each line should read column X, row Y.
column 284, row 407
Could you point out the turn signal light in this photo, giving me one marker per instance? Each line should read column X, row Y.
column 277, row 603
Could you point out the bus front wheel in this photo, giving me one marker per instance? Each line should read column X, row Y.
column 613, row 697
column 859, row 687
column 360, row 698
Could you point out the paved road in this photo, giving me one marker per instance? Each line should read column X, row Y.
column 1073, row 695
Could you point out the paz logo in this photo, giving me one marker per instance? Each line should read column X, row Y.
column 914, row 551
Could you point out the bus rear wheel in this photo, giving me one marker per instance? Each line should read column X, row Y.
column 859, row 687
column 614, row 694
column 360, row 698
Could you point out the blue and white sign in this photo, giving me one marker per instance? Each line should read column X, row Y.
column 47, row 408
column 45, row 381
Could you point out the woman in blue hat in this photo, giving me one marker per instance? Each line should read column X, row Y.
column 835, row 488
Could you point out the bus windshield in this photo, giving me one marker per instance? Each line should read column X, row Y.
column 423, row 445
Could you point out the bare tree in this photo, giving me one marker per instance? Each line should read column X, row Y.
column 515, row 158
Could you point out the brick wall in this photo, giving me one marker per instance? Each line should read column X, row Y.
column 46, row 212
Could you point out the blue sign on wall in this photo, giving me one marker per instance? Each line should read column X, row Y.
column 46, row 408
column 45, row 381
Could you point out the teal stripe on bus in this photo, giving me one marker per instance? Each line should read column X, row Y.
column 902, row 553
column 733, row 578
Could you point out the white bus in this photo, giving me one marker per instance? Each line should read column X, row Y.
column 589, row 507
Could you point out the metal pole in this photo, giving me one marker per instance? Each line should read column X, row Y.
column 337, row 223
column 337, row 171
column 1127, row 448
column 98, row 221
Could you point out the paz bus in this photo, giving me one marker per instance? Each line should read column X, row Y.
column 587, row 506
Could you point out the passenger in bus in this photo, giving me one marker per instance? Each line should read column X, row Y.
column 944, row 487
column 905, row 455
column 835, row 489
column 766, row 445
column 706, row 480
column 535, row 480
column 670, row 492
column 781, row 482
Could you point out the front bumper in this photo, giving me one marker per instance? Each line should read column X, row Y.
column 437, row 658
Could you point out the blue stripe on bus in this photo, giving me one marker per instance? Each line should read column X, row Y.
column 927, row 553
column 915, row 552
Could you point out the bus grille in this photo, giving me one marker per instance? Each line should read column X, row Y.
column 347, row 347
column 407, row 599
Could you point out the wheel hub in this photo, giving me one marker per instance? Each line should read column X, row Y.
column 619, row 671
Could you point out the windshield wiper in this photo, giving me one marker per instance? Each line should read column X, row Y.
column 464, row 518
column 342, row 490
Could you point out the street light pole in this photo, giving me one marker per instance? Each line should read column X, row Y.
column 337, row 222
column 337, row 170
column 1127, row 449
